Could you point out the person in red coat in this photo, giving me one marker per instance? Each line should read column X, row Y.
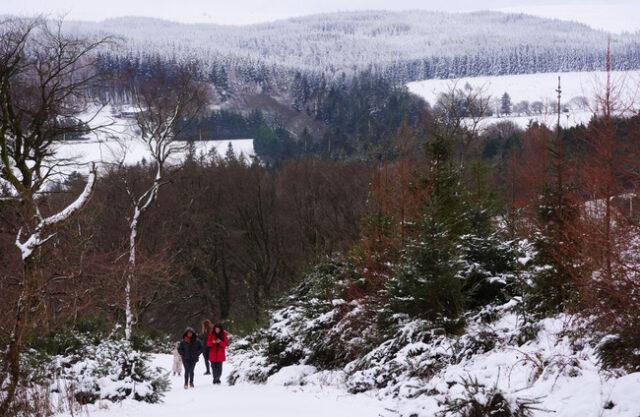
column 218, row 343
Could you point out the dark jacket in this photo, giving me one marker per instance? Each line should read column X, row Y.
column 204, row 337
column 190, row 351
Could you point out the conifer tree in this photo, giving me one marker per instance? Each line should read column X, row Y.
column 505, row 104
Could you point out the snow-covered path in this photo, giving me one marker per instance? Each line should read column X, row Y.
column 243, row 400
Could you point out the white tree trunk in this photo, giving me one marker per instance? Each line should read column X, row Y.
column 133, row 233
column 141, row 205
column 35, row 239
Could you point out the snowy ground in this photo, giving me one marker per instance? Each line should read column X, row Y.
column 561, row 378
column 243, row 400
column 556, row 372
column 576, row 86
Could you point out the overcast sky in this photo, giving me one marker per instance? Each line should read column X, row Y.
column 614, row 15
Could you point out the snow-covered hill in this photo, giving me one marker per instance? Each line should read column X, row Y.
column 580, row 92
column 418, row 44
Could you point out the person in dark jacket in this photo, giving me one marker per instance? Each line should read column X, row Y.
column 190, row 349
column 218, row 342
column 207, row 327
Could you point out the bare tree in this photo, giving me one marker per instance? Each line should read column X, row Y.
column 459, row 115
column 610, row 171
column 166, row 101
column 45, row 76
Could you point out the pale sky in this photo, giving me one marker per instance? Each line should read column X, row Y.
column 613, row 15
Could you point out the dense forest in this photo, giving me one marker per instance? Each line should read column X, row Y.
column 343, row 106
column 343, row 119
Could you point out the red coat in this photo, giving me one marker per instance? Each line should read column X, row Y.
column 218, row 350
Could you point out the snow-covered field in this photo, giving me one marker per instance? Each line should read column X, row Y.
column 579, row 93
column 242, row 400
column 118, row 142
column 130, row 151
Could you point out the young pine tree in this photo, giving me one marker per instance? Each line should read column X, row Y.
column 451, row 265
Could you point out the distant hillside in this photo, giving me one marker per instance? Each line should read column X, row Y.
column 332, row 84
column 407, row 45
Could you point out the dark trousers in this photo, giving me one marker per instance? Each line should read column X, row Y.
column 205, row 355
column 216, row 370
column 189, row 367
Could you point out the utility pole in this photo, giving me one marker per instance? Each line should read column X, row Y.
column 559, row 108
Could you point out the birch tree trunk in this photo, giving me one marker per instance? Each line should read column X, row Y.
column 11, row 370
column 141, row 205
column 166, row 102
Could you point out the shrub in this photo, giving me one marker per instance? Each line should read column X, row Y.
column 111, row 370
column 488, row 267
column 480, row 401
column 342, row 335
column 64, row 342
column 621, row 351
column 527, row 332
column 549, row 288
column 152, row 341
column 283, row 351
column 327, row 281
